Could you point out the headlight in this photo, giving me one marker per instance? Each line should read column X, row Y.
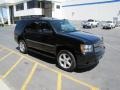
column 86, row 48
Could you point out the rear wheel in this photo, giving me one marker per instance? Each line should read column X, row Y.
column 22, row 46
column 66, row 60
column 84, row 26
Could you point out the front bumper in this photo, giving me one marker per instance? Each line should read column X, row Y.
column 107, row 27
column 89, row 59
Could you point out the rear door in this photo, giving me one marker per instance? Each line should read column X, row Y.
column 33, row 35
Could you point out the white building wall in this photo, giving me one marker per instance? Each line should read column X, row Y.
column 33, row 11
column 27, row 12
column 57, row 13
column 105, row 11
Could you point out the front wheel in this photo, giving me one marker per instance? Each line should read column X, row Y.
column 66, row 60
column 22, row 46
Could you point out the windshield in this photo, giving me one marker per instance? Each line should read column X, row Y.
column 63, row 26
column 109, row 21
column 90, row 20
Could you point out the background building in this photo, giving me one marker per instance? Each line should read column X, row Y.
column 21, row 9
column 92, row 9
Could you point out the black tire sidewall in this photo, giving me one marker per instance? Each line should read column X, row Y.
column 73, row 66
column 25, row 51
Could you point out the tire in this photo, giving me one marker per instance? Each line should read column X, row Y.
column 92, row 26
column 62, row 58
column 84, row 26
column 22, row 46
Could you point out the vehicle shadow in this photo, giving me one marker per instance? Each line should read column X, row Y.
column 54, row 61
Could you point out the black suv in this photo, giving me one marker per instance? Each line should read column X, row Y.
column 58, row 38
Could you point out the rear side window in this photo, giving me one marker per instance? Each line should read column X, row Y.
column 38, row 27
column 33, row 28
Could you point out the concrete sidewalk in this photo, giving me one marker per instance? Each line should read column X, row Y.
column 3, row 86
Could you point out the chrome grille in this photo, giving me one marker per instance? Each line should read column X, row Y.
column 98, row 46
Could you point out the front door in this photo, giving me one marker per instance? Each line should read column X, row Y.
column 48, row 40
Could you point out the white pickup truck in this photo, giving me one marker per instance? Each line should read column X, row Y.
column 108, row 25
column 90, row 23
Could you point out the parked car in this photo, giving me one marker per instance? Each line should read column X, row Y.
column 59, row 39
column 108, row 25
column 90, row 23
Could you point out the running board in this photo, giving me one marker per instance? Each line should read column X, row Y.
column 41, row 53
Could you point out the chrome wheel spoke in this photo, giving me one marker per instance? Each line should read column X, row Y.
column 65, row 65
column 68, row 58
column 62, row 60
column 22, row 46
column 64, row 56
column 65, row 60
column 68, row 63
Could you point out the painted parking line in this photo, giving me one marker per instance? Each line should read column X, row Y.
column 10, row 70
column 59, row 81
column 29, row 78
column 65, row 75
column 1, row 49
column 80, row 82
column 3, row 58
column 60, row 74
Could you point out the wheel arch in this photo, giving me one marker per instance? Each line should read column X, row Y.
column 59, row 48
column 20, row 38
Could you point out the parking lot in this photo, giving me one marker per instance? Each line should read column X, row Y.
column 35, row 72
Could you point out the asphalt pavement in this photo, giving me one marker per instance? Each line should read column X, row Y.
column 35, row 72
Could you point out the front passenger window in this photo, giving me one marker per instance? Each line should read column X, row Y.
column 33, row 28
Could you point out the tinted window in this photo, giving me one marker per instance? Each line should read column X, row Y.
column 45, row 26
column 63, row 26
column 34, row 4
column 58, row 6
column 90, row 20
column 109, row 21
column 19, row 7
column 34, row 28
column 30, row 4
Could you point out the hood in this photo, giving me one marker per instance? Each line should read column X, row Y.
column 84, row 36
